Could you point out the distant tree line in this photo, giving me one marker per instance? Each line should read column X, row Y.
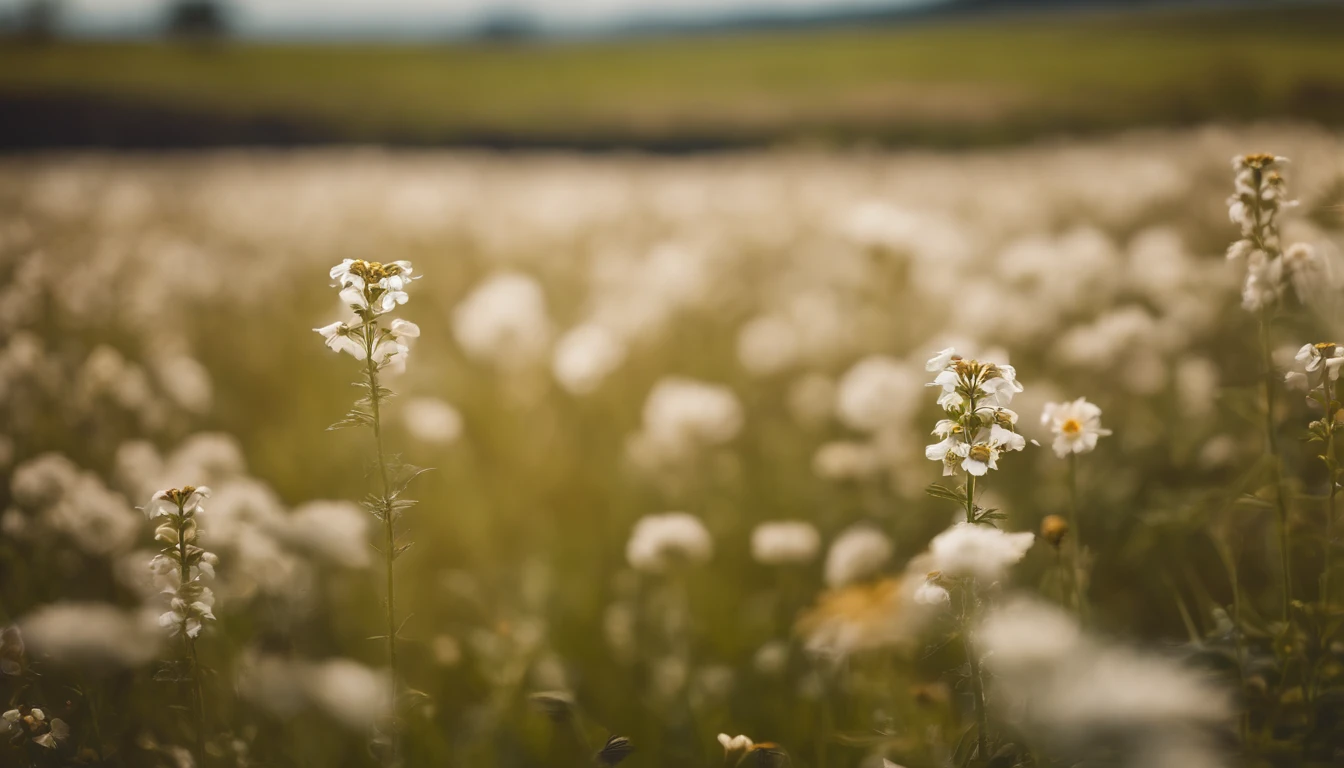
column 40, row 20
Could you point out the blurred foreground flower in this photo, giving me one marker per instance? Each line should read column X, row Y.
column 661, row 542
column 1076, row 697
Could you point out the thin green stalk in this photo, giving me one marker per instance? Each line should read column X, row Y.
column 371, row 333
column 977, row 678
column 1272, row 442
column 1076, row 542
column 189, row 644
column 970, row 498
column 1329, row 421
column 92, row 704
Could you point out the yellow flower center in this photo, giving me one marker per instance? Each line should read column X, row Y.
column 980, row 452
column 1071, row 427
column 1259, row 160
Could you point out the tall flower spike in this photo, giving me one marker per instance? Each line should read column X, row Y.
column 181, row 568
column 1260, row 195
column 372, row 289
column 980, row 426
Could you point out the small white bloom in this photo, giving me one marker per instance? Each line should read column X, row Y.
column 930, row 593
column 1076, row 426
column 735, row 748
column 941, row 360
column 337, row 337
column 660, row 541
column 977, row 458
column 432, row 420
column 785, row 543
column 983, row 551
column 858, row 553
column 585, row 356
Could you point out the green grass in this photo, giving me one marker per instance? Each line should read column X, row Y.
column 973, row 78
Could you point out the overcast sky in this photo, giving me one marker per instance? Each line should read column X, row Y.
column 317, row 16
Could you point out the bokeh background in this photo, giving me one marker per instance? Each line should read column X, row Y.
column 798, row 202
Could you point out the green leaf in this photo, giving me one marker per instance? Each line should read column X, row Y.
column 943, row 492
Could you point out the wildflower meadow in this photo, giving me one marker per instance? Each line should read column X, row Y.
column 1016, row 456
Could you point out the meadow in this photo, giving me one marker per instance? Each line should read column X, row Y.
column 939, row 83
column 678, row 418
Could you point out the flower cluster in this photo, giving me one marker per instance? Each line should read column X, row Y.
column 31, row 724
column 372, row 290
column 980, row 427
column 1261, row 193
column 182, row 566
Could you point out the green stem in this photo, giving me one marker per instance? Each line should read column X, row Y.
column 1329, row 421
column 1076, row 543
column 371, row 338
column 970, row 498
column 977, row 678
column 1272, row 442
column 189, row 644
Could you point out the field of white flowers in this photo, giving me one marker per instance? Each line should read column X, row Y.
column 1014, row 457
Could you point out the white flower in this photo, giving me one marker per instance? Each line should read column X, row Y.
column 930, row 593
column 858, row 553
column 767, row 345
column 167, row 502
column 877, row 392
column 846, row 460
column 682, row 416
column 585, row 356
column 941, row 360
column 91, row 635
column 940, row 452
column 337, row 336
column 977, row 458
column 370, row 285
column 735, row 748
column 503, row 322
column 660, row 541
column 982, row 551
column 1076, row 426
column 785, row 543
column 1308, row 272
column 1325, row 358
column 431, row 420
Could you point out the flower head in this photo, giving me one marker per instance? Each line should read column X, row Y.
column 980, row 426
column 785, row 542
column 661, row 541
column 1076, row 426
column 980, row 551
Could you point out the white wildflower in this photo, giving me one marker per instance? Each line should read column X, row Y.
column 981, row 551
column 1076, row 426
column 585, row 356
column 877, row 392
column 859, row 553
column 785, row 543
column 659, row 542
column 431, row 420
column 503, row 322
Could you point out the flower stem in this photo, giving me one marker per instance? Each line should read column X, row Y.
column 970, row 498
column 371, row 333
column 189, row 645
column 1272, row 443
column 977, row 678
column 1329, row 421
column 1076, row 543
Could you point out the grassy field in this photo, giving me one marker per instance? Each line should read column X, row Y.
column 944, row 83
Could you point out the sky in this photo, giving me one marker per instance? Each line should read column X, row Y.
column 318, row 17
